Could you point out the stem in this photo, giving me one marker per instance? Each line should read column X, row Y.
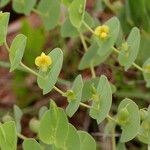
column 85, row 105
column 37, row 12
column 83, row 42
column 88, row 27
column 30, row 70
column 6, row 45
column 113, row 139
column 86, row 49
column 21, row 136
column 110, row 6
column 58, row 90
column 93, row 71
column 134, row 64
column 116, row 50
column 138, row 67
column 148, row 147
column 112, row 119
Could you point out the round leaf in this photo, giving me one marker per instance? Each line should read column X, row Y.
column 62, row 129
column 4, row 17
column 126, row 58
column 31, row 143
column 18, row 115
column 87, row 141
column 54, row 127
column 144, row 132
column 75, row 103
column 50, row 78
column 76, row 12
column 101, row 106
column 23, row 6
column 8, row 136
column 131, row 128
column 146, row 74
column 17, row 50
column 73, row 140
column 49, row 11
column 100, row 50
column 48, row 125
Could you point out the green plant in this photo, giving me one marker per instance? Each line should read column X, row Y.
column 52, row 126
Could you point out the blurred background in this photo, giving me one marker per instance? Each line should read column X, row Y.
column 20, row 88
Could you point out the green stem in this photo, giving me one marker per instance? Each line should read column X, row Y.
column 113, row 139
column 88, row 27
column 6, row 45
column 37, row 12
column 83, row 42
column 86, row 49
column 134, row 64
column 62, row 93
column 110, row 6
column 85, row 105
column 112, row 119
column 138, row 67
column 21, row 136
column 58, row 90
column 93, row 71
column 30, row 70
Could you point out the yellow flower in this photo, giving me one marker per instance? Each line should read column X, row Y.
column 43, row 62
column 102, row 32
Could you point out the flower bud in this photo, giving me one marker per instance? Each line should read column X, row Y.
column 70, row 95
column 123, row 116
column 7, row 118
column 143, row 114
column 34, row 125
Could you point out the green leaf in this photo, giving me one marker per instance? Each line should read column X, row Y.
column 128, row 56
column 106, row 45
column 86, row 140
column 48, row 125
column 54, row 126
column 31, row 144
column 3, row 3
column 18, row 115
column 73, row 140
column 100, row 50
column 62, row 129
column 8, row 136
column 67, row 2
column 131, row 128
column 23, row 6
column 146, row 73
column 17, row 50
column 50, row 78
column 4, row 17
column 102, row 104
column 42, row 110
column 75, row 103
column 76, row 12
column 87, row 91
column 144, row 132
column 68, row 30
column 121, row 146
column 88, row 20
column 49, row 11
